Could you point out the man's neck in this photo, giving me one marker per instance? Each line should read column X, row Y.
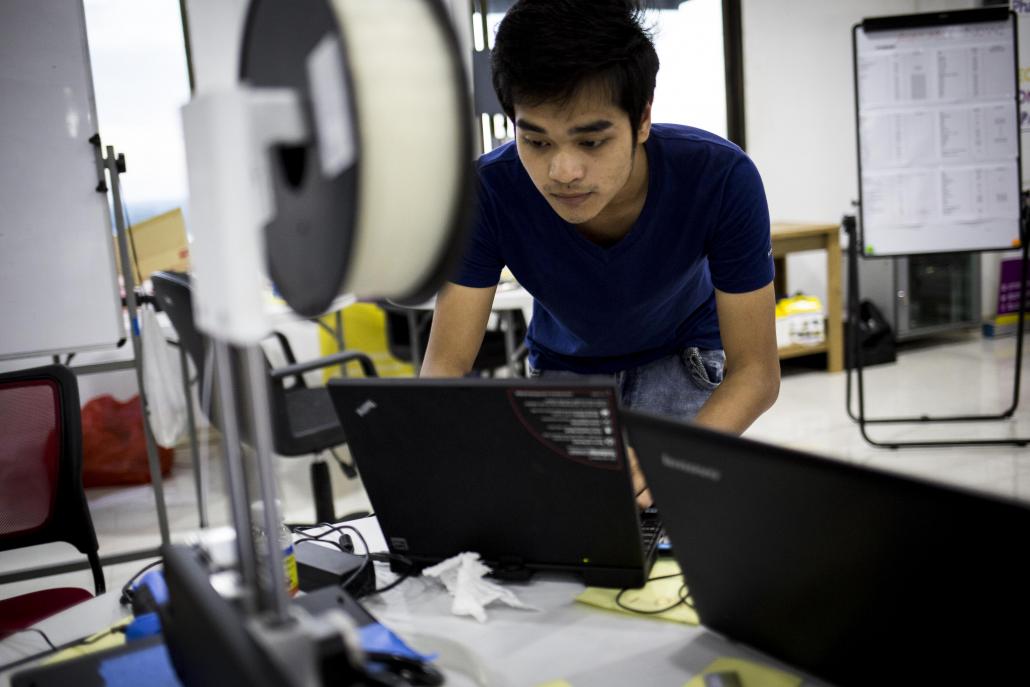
column 617, row 219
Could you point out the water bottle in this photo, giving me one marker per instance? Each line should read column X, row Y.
column 285, row 538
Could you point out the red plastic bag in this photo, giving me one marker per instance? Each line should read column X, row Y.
column 114, row 449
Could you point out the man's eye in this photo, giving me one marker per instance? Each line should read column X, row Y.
column 593, row 144
column 535, row 143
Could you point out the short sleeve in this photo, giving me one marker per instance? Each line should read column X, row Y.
column 740, row 245
column 481, row 263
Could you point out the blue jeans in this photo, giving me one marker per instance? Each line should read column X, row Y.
column 676, row 385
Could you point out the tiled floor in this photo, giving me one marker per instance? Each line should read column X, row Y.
column 961, row 375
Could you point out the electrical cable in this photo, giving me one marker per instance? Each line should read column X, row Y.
column 127, row 592
column 40, row 633
column 681, row 593
column 368, row 556
column 348, row 468
column 54, row 649
column 401, row 577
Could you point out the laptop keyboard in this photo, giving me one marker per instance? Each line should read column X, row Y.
column 650, row 527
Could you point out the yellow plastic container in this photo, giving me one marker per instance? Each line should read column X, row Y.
column 364, row 329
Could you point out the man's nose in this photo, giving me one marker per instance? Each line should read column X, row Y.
column 566, row 168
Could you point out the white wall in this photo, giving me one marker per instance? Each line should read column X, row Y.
column 800, row 110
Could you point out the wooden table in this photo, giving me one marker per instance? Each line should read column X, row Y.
column 792, row 238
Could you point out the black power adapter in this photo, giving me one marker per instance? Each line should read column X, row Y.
column 325, row 565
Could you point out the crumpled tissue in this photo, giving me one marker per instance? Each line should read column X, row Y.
column 463, row 577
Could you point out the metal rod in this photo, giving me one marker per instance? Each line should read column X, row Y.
column 273, row 598
column 76, row 566
column 856, row 366
column 236, row 486
column 338, row 336
column 114, row 167
column 200, row 463
column 1021, row 322
column 414, row 340
column 103, row 367
column 508, row 318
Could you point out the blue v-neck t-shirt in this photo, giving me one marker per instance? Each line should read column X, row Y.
column 704, row 226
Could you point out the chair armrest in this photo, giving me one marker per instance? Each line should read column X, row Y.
column 335, row 359
column 284, row 344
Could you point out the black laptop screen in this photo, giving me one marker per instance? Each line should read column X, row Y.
column 522, row 472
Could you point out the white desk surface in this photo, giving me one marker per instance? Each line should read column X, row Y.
column 562, row 640
column 509, row 296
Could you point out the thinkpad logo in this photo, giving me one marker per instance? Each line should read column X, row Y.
column 365, row 408
column 702, row 471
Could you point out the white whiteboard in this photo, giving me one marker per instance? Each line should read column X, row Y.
column 938, row 133
column 58, row 286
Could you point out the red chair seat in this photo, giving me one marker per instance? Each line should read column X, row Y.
column 20, row 612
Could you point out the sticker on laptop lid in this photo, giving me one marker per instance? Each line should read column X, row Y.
column 578, row 424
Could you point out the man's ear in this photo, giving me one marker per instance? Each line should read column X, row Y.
column 644, row 130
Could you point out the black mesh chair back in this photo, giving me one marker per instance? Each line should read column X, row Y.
column 493, row 352
column 303, row 418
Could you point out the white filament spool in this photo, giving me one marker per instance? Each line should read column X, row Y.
column 376, row 203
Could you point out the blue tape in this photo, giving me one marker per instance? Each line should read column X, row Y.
column 377, row 638
column 127, row 669
column 155, row 582
column 142, row 626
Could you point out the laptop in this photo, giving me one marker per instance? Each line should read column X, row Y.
column 530, row 474
column 858, row 576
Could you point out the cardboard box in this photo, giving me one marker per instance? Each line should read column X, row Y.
column 158, row 243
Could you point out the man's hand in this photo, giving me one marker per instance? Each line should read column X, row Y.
column 644, row 499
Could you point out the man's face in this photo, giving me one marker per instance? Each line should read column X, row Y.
column 579, row 155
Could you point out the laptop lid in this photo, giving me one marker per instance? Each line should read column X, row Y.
column 858, row 576
column 529, row 474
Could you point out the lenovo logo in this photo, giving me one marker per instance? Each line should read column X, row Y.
column 365, row 408
column 702, row 471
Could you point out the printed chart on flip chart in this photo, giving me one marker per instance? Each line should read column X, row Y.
column 938, row 138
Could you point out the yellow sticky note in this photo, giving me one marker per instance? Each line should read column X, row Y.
column 748, row 672
column 106, row 639
column 664, row 591
column 555, row 683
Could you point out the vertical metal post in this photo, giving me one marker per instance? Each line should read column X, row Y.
column 273, row 598
column 200, row 463
column 414, row 340
column 1021, row 320
column 115, row 166
column 236, row 486
column 508, row 318
column 338, row 335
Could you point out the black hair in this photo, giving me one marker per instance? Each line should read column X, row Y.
column 545, row 51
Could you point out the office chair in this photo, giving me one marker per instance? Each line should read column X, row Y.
column 41, row 494
column 493, row 354
column 303, row 418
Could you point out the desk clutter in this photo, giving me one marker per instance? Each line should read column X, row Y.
column 843, row 572
column 464, row 577
column 800, row 321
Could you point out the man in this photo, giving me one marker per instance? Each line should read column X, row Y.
column 646, row 248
